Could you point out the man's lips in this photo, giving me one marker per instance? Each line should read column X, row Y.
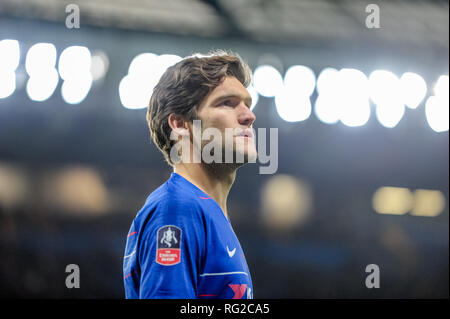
column 246, row 133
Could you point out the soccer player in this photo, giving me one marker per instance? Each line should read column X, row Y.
column 181, row 243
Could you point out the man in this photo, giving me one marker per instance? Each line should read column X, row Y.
column 181, row 243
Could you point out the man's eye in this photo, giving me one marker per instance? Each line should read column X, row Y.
column 227, row 103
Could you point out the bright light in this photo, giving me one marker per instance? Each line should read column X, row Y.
column 136, row 88
column 390, row 93
column 7, row 83
column 75, row 68
column 292, row 106
column 74, row 61
column 144, row 73
column 150, row 67
column 142, row 64
column 343, row 95
column 99, row 65
column 255, row 96
column 41, row 59
column 389, row 115
column 385, row 87
column 326, row 109
column 355, row 112
column 300, row 79
column 10, row 55
column 437, row 106
column 441, row 87
column 354, row 104
column 292, row 101
column 75, row 91
column 41, row 87
column 327, row 102
column 40, row 66
column 163, row 62
column 437, row 112
column 9, row 60
column 413, row 89
column 355, row 81
column 399, row 201
column 134, row 94
column 267, row 81
column 326, row 82
column 392, row 200
column 429, row 203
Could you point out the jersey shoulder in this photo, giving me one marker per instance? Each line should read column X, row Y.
column 170, row 202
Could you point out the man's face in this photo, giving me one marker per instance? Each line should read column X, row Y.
column 227, row 108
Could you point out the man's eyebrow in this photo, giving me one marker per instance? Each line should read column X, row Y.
column 246, row 99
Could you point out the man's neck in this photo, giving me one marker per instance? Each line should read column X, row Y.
column 214, row 180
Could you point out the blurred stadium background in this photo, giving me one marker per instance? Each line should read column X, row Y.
column 363, row 141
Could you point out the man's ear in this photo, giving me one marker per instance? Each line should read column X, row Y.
column 178, row 124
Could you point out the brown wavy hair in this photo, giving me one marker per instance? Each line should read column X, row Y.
column 182, row 88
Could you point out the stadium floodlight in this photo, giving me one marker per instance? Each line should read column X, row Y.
column 384, row 87
column 441, row 87
column 41, row 87
column 99, row 65
column 326, row 109
column 355, row 112
column 327, row 80
column 9, row 61
column 267, row 81
column 413, row 89
column 142, row 64
column 40, row 65
column 254, row 95
column 9, row 55
column 389, row 114
column 428, row 203
column 437, row 106
column 74, row 61
column 40, row 59
column 354, row 107
column 392, row 200
column 145, row 71
column 134, row 94
column 75, row 64
column 292, row 106
column 437, row 113
column 390, row 94
column 163, row 62
column 7, row 83
column 74, row 91
column 343, row 96
column 300, row 79
column 135, row 89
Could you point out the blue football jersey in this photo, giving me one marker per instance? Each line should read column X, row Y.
column 181, row 245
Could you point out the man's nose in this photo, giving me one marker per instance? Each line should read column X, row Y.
column 246, row 117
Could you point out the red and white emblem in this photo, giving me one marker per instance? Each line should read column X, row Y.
column 168, row 245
